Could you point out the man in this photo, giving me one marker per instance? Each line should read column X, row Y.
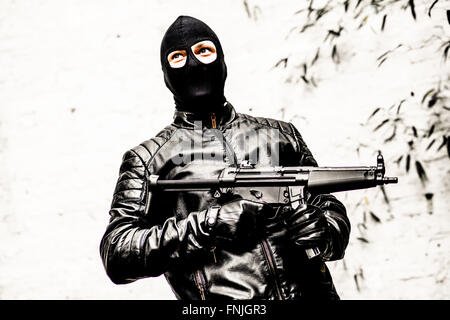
column 211, row 248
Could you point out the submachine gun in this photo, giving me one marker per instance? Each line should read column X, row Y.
column 281, row 185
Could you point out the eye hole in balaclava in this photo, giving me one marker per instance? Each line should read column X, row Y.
column 192, row 71
column 204, row 51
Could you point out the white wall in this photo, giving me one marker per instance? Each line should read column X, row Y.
column 81, row 83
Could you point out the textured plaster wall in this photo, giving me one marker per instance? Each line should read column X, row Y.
column 80, row 83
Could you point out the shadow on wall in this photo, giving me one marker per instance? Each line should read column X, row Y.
column 383, row 67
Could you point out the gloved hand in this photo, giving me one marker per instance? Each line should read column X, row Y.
column 308, row 228
column 237, row 220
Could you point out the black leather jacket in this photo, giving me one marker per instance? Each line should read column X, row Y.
column 152, row 234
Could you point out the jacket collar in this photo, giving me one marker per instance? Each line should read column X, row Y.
column 188, row 119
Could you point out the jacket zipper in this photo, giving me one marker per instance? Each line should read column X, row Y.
column 269, row 257
column 213, row 251
column 228, row 150
column 266, row 248
column 200, row 281
column 213, row 120
column 199, row 277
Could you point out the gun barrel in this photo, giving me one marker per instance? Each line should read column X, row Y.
column 336, row 179
column 315, row 179
column 387, row 180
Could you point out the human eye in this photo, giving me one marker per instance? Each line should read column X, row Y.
column 176, row 55
column 204, row 47
column 205, row 51
column 177, row 58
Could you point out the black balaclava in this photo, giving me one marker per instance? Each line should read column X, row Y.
column 196, row 87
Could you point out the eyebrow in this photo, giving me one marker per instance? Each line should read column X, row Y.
column 209, row 42
column 171, row 53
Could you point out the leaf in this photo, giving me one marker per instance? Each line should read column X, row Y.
column 430, row 132
column 383, row 22
column 421, row 172
column 414, row 131
column 316, row 57
column 374, row 217
column 374, row 113
column 381, row 124
column 430, row 144
column 358, row 3
column 335, row 33
column 363, row 22
column 321, row 12
column 310, row 8
column 306, row 26
column 346, row 3
column 445, row 54
column 335, row 54
column 355, row 277
column 375, row 5
column 362, row 226
column 392, row 136
column 408, row 160
column 398, row 160
column 433, row 100
column 362, row 239
column 444, row 142
column 427, row 94
column 384, row 54
column 385, row 197
column 282, row 61
column 358, row 13
column 413, row 8
column 381, row 62
column 431, row 7
column 247, row 9
column 399, row 105
column 361, row 273
column 256, row 9
column 448, row 147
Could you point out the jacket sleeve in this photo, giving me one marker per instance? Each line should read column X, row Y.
column 131, row 248
column 334, row 210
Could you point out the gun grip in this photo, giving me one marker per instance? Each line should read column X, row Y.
column 298, row 202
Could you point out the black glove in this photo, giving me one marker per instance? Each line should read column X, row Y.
column 308, row 228
column 237, row 220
